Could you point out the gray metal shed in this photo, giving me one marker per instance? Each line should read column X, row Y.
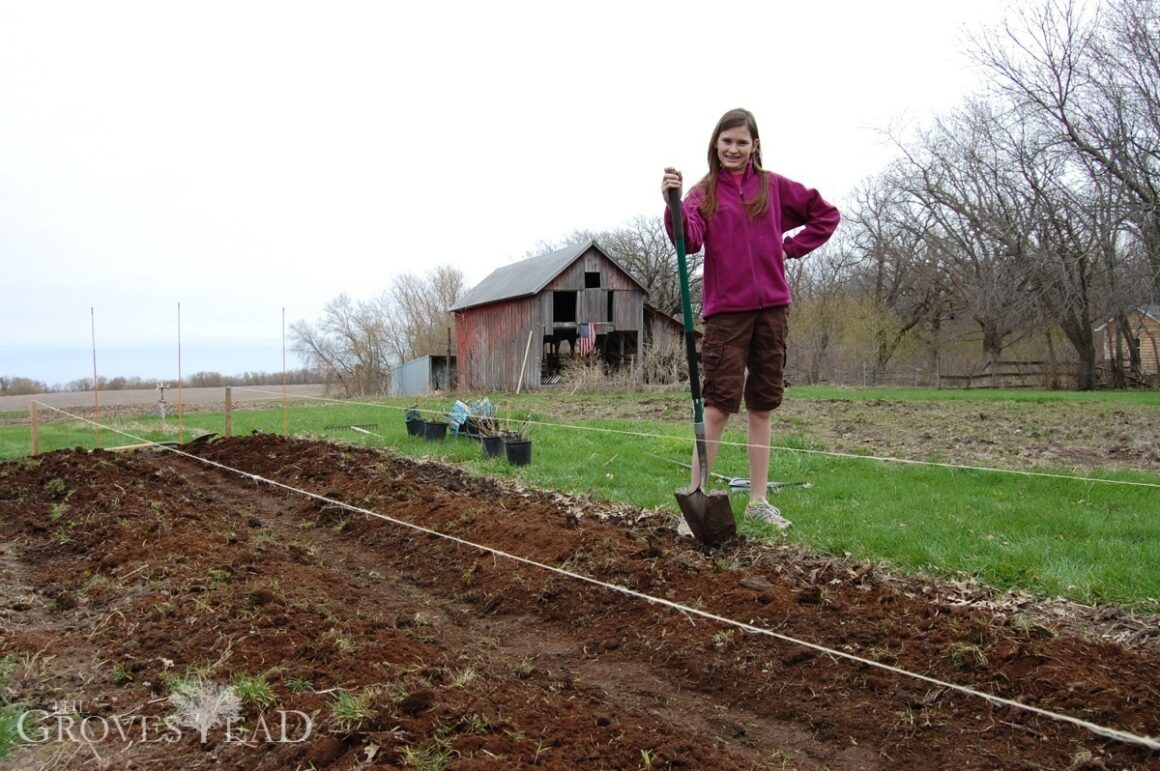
column 422, row 376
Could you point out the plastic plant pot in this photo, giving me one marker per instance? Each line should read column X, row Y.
column 518, row 451
column 493, row 447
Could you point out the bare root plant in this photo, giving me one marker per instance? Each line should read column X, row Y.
column 488, row 425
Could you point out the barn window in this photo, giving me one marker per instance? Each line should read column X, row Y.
column 592, row 280
column 610, row 317
column 564, row 306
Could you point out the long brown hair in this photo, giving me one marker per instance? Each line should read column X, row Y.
column 731, row 120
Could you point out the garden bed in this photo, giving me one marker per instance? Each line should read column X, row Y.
column 127, row 577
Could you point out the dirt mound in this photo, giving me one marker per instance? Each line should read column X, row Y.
column 137, row 584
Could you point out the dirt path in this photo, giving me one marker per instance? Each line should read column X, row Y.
column 125, row 574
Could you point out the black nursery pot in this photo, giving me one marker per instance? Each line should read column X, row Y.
column 415, row 427
column 519, row 451
column 434, row 430
column 493, row 447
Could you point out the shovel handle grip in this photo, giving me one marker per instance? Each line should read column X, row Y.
column 675, row 210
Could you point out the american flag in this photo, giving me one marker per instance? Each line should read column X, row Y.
column 586, row 341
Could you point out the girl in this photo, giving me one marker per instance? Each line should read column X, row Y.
column 740, row 214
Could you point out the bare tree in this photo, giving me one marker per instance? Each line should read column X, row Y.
column 1092, row 80
column 895, row 271
column 964, row 176
column 820, row 293
column 348, row 346
column 21, row 386
column 643, row 248
column 357, row 343
column 1085, row 82
column 416, row 312
column 1075, row 244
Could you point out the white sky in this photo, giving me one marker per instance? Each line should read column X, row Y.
column 241, row 158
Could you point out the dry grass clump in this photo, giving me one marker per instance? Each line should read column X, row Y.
column 663, row 367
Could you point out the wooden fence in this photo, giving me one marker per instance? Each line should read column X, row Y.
column 1007, row 374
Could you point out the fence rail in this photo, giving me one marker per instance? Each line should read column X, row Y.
column 1007, row 374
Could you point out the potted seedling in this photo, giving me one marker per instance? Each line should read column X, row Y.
column 517, row 443
column 491, row 437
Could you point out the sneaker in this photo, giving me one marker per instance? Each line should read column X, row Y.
column 683, row 528
column 764, row 511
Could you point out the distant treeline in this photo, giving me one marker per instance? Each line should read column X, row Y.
column 23, row 386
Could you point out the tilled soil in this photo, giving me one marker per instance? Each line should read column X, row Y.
column 125, row 575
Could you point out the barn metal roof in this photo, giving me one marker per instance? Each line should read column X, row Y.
column 529, row 277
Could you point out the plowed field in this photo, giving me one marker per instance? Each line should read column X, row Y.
column 135, row 584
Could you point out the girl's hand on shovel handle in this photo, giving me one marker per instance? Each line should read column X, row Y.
column 671, row 181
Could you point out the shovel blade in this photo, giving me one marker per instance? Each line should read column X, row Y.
column 710, row 517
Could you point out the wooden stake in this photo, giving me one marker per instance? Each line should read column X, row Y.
column 285, row 398
column 180, row 397
column 35, row 429
column 96, row 382
column 523, row 366
column 229, row 412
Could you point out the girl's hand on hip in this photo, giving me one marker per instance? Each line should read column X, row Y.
column 671, row 181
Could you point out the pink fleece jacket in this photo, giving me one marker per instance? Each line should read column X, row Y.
column 745, row 260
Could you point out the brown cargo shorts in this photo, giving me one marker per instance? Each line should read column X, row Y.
column 744, row 354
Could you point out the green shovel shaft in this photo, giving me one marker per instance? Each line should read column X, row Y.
column 686, row 305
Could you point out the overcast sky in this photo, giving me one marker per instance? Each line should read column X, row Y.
column 241, row 158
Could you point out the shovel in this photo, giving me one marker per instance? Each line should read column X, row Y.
column 709, row 516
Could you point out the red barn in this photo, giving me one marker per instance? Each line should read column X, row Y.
column 513, row 327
